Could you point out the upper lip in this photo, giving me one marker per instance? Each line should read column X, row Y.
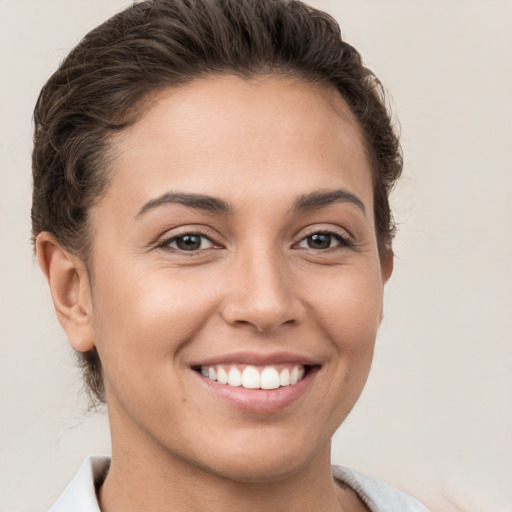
column 258, row 359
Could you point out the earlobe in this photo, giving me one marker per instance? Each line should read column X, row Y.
column 70, row 290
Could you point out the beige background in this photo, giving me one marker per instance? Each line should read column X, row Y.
column 436, row 417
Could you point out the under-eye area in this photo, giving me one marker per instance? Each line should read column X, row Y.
column 255, row 377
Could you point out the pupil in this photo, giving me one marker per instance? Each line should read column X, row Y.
column 189, row 242
column 319, row 241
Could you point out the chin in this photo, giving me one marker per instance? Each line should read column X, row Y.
column 261, row 470
column 263, row 458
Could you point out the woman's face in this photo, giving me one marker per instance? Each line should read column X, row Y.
column 236, row 241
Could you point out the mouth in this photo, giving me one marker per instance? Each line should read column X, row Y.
column 256, row 383
column 250, row 376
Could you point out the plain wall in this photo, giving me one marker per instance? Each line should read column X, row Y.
column 436, row 416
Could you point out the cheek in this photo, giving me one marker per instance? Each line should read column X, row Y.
column 146, row 320
column 348, row 308
column 345, row 309
column 144, row 325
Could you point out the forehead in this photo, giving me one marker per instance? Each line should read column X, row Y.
column 230, row 136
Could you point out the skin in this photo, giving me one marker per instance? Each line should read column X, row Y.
column 254, row 285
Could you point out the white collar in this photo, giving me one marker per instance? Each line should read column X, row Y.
column 80, row 494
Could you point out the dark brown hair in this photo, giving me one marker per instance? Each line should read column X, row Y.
column 102, row 85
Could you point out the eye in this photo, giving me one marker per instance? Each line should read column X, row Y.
column 323, row 240
column 188, row 242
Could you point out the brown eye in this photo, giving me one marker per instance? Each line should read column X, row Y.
column 324, row 240
column 319, row 241
column 189, row 242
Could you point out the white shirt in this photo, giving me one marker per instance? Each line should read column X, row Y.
column 80, row 494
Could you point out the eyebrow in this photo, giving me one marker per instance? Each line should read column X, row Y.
column 317, row 200
column 197, row 201
column 305, row 202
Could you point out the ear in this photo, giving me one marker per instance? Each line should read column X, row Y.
column 386, row 266
column 70, row 289
column 387, row 263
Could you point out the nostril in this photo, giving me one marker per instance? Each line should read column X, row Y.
column 261, row 300
column 263, row 321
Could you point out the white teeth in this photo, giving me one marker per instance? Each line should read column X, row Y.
column 284, row 377
column 269, row 378
column 234, row 377
column 222, row 376
column 252, row 378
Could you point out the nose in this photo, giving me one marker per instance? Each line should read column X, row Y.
column 261, row 294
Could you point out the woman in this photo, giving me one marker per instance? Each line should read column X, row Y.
column 211, row 211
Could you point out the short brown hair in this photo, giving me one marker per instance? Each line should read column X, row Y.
column 100, row 88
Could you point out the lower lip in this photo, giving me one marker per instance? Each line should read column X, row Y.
column 259, row 400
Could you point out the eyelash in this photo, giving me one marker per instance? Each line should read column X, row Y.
column 344, row 241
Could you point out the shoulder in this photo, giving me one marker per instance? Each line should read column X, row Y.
column 80, row 494
column 377, row 496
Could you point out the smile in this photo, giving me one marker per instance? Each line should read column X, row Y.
column 254, row 377
column 257, row 383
